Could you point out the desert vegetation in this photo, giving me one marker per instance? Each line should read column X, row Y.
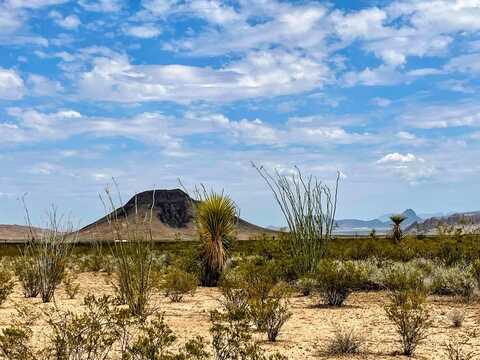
column 298, row 294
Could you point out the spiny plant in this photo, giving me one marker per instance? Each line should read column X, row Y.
column 397, row 233
column 50, row 250
column 216, row 219
column 345, row 342
column 309, row 208
column 133, row 253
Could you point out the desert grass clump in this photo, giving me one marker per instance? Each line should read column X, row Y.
column 309, row 208
column 216, row 217
column 177, row 283
column 133, row 253
column 6, row 284
column 28, row 274
column 345, row 342
column 456, row 317
column 336, row 280
column 408, row 312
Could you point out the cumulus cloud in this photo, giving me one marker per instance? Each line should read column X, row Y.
column 11, row 85
column 43, row 86
column 69, row 22
column 261, row 73
column 409, row 167
column 397, row 158
column 102, row 5
column 146, row 31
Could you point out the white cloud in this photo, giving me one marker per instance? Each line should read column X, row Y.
column 146, row 31
column 397, row 158
column 102, row 5
column 259, row 74
column 43, row 86
column 33, row 4
column 11, row 85
column 382, row 102
column 466, row 114
column 69, row 22
column 409, row 167
column 469, row 63
column 405, row 135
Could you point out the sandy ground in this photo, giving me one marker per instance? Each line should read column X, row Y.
column 308, row 329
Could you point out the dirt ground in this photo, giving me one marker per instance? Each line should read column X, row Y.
column 307, row 331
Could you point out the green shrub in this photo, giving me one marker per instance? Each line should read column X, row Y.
column 306, row 285
column 6, row 284
column 177, row 283
column 89, row 335
column 336, row 280
column 454, row 281
column 407, row 310
column 71, row 287
column 345, row 342
column 14, row 343
column 29, row 275
column 403, row 277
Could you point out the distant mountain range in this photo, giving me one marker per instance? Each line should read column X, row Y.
column 382, row 224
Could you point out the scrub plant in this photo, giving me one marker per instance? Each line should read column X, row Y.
column 308, row 206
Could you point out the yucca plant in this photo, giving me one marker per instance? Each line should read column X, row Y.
column 397, row 233
column 216, row 220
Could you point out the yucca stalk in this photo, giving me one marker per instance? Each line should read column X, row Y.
column 309, row 208
column 216, row 220
column 397, row 233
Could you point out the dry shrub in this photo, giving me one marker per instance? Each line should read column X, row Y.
column 28, row 273
column 177, row 283
column 407, row 310
column 456, row 317
column 306, row 285
column 6, row 283
column 71, row 287
column 345, row 342
column 455, row 350
column 14, row 343
column 336, row 280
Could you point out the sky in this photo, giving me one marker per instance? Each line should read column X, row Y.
column 150, row 91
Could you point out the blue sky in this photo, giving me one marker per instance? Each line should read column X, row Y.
column 150, row 91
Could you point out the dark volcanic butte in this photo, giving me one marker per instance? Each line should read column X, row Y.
column 173, row 215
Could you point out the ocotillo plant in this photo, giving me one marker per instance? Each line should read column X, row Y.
column 309, row 208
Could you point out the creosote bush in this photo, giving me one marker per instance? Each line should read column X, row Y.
column 6, row 283
column 455, row 281
column 28, row 273
column 407, row 310
column 177, row 283
column 14, row 343
column 336, row 280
